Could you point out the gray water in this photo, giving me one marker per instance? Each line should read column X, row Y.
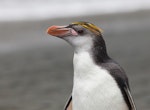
column 36, row 69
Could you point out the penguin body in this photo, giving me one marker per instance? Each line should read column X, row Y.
column 99, row 82
column 94, row 87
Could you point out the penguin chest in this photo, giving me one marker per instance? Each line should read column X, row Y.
column 94, row 88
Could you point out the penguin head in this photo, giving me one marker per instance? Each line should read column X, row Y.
column 79, row 34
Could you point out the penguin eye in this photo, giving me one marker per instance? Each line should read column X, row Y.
column 80, row 31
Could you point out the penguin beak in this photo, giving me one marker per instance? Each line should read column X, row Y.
column 61, row 31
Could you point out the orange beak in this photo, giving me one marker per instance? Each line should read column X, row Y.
column 61, row 31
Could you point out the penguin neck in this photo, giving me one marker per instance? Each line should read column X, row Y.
column 96, row 48
column 89, row 57
column 99, row 51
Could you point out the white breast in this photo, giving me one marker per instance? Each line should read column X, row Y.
column 94, row 88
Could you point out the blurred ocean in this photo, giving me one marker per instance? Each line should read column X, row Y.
column 36, row 69
column 14, row 10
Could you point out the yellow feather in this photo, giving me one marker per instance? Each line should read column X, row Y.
column 90, row 26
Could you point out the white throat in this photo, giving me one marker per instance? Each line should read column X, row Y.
column 94, row 88
column 80, row 43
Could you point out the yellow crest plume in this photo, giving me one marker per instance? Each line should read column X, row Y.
column 89, row 26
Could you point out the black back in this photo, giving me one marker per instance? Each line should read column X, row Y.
column 101, row 58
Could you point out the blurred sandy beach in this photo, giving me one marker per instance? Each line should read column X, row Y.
column 36, row 69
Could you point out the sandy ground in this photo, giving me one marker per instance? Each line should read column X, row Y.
column 36, row 69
